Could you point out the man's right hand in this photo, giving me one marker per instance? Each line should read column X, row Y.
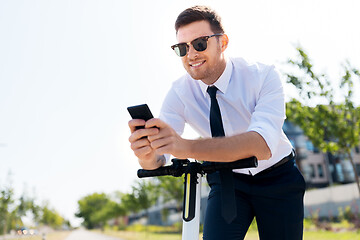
column 141, row 145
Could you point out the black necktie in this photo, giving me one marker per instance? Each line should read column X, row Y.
column 228, row 204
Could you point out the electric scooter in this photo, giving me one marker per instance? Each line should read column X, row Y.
column 193, row 172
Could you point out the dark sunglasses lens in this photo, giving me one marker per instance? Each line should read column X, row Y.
column 180, row 49
column 200, row 44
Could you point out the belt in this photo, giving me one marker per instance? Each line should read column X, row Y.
column 282, row 161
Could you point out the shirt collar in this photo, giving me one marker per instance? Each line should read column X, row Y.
column 223, row 82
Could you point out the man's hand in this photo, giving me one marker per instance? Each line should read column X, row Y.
column 154, row 140
column 166, row 140
column 161, row 139
column 141, row 145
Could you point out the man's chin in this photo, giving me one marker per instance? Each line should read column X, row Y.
column 196, row 76
column 204, row 80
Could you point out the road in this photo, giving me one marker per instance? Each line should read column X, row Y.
column 86, row 235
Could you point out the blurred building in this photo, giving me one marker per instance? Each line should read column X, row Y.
column 320, row 169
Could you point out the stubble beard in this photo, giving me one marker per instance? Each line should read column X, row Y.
column 208, row 75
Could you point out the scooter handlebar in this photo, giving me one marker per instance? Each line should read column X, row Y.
column 161, row 171
column 178, row 170
column 250, row 162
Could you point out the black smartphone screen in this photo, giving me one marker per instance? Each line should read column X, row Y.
column 140, row 112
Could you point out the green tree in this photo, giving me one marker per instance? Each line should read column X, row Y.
column 88, row 206
column 130, row 203
column 332, row 126
column 36, row 210
column 145, row 193
column 51, row 217
column 109, row 211
column 172, row 188
column 96, row 209
column 21, row 208
column 27, row 205
column 118, row 208
column 6, row 202
column 12, row 210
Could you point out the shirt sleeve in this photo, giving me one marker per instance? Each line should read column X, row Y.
column 172, row 113
column 269, row 113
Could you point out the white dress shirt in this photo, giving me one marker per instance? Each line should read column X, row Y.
column 250, row 97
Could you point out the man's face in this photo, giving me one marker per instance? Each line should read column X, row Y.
column 207, row 65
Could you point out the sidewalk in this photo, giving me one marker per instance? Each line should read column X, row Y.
column 329, row 200
column 83, row 234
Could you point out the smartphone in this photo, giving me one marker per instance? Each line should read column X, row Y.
column 140, row 112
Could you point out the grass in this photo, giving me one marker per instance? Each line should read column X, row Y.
column 251, row 235
column 127, row 235
column 327, row 235
column 343, row 230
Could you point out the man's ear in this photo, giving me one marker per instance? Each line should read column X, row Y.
column 224, row 42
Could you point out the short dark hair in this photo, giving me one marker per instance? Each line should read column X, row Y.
column 199, row 13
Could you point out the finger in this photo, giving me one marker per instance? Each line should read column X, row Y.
column 136, row 136
column 151, row 131
column 135, row 123
column 142, row 133
column 155, row 122
column 141, row 148
column 141, row 152
column 139, row 144
column 163, row 150
column 160, row 134
column 161, row 143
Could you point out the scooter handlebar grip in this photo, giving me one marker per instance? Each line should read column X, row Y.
column 242, row 163
column 162, row 171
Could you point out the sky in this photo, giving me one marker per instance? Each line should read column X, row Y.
column 70, row 68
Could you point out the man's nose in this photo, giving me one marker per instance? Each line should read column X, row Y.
column 192, row 53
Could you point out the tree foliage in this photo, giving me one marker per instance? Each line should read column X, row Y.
column 13, row 209
column 145, row 193
column 171, row 188
column 96, row 209
column 333, row 125
column 6, row 201
column 130, row 203
column 51, row 217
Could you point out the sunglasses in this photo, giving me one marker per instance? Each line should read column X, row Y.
column 199, row 44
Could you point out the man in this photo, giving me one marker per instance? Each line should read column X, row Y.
column 251, row 102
